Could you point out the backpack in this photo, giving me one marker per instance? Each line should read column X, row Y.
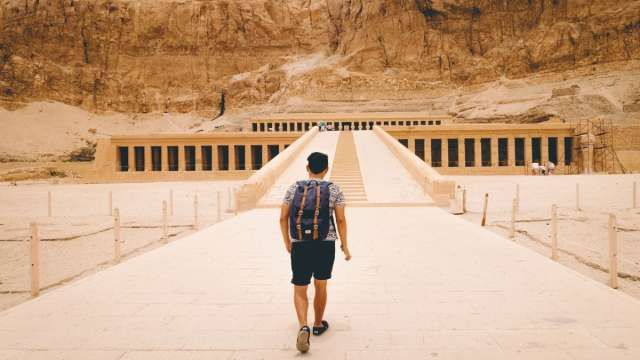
column 310, row 215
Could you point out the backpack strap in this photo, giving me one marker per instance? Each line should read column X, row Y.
column 316, row 213
column 299, row 218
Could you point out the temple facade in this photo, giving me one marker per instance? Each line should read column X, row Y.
column 451, row 149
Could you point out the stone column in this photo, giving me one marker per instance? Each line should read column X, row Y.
column 461, row 159
column 560, row 164
column 544, row 149
column 445, row 152
column 198, row 151
column 477, row 144
column 494, row 151
column 427, row 150
column 232, row 157
column 412, row 144
column 132, row 157
column 247, row 157
column 164, row 157
column 181, row 159
column 511, row 151
column 147, row 158
column 265, row 156
column 214, row 157
column 527, row 152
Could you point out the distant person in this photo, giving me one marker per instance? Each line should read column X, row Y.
column 551, row 168
column 535, row 168
column 309, row 233
column 543, row 170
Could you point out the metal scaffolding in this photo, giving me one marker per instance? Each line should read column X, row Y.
column 594, row 150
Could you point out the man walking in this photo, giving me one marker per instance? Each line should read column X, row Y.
column 309, row 233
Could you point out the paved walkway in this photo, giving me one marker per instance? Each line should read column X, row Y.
column 385, row 179
column 423, row 284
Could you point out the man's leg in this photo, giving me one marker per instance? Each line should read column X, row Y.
column 301, row 302
column 320, row 301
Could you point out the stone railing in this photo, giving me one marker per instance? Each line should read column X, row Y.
column 261, row 181
column 434, row 184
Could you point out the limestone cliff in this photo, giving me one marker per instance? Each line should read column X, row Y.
column 178, row 56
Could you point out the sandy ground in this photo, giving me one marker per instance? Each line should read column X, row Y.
column 55, row 171
column 78, row 238
column 29, row 134
column 582, row 235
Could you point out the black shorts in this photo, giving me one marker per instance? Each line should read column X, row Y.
column 312, row 258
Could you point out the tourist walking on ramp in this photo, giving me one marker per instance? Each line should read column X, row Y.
column 309, row 233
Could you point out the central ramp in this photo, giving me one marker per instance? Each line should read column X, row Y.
column 346, row 169
column 422, row 284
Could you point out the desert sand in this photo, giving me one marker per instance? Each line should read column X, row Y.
column 582, row 235
column 78, row 238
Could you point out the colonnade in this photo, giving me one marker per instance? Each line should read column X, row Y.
column 301, row 126
column 196, row 157
column 491, row 154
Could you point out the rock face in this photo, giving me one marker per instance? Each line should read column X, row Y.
column 179, row 55
column 148, row 55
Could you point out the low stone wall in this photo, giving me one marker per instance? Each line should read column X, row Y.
column 434, row 184
column 261, row 181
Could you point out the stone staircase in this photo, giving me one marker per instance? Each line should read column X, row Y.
column 346, row 169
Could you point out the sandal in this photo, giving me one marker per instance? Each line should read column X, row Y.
column 318, row 330
column 302, row 343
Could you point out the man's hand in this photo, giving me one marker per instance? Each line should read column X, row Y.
column 347, row 254
column 287, row 245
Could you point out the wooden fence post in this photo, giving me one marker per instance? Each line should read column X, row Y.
column 554, row 232
column 578, row 197
column 235, row 201
column 117, row 243
column 49, row 204
column 634, row 202
column 171, row 202
column 165, row 234
column 35, row 260
column 613, row 252
column 517, row 196
column 514, row 208
column 219, row 206
column 484, row 209
column 110, row 203
column 464, row 200
column 195, row 212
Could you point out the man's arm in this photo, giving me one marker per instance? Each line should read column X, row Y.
column 284, row 226
column 341, row 223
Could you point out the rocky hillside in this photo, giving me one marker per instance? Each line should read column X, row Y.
column 181, row 55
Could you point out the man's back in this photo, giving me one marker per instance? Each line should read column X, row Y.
column 336, row 198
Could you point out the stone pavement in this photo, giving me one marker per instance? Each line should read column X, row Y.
column 423, row 284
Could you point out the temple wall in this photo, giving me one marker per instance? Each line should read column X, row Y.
column 214, row 156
